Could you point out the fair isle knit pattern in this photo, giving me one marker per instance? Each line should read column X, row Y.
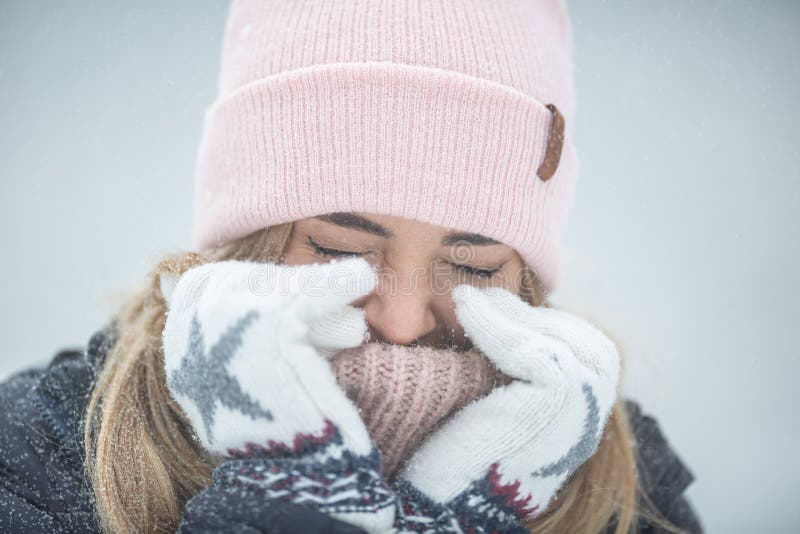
column 443, row 112
column 486, row 507
column 317, row 471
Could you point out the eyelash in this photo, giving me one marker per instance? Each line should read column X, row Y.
column 329, row 252
column 483, row 273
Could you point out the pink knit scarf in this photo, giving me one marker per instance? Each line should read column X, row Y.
column 403, row 393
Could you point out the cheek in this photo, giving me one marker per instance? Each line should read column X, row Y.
column 446, row 314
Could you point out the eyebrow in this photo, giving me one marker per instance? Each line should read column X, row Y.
column 351, row 220
column 357, row 222
column 469, row 238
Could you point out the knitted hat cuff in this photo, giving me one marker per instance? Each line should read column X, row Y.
column 418, row 142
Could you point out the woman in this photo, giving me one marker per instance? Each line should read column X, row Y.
column 433, row 143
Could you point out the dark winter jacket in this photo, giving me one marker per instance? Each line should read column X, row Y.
column 43, row 487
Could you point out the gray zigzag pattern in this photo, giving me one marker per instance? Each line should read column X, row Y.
column 204, row 378
column 584, row 448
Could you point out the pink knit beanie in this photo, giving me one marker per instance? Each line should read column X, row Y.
column 457, row 113
column 404, row 392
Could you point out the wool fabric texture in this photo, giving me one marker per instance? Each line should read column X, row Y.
column 257, row 388
column 432, row 111
column 404, row 392
column 500, row 461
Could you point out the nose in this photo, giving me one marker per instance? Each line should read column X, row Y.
column 400, row 317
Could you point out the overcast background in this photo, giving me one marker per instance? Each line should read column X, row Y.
column 683, row 241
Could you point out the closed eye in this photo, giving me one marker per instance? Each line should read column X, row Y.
column 331, row 252
column 483, row 273
column 336, row 253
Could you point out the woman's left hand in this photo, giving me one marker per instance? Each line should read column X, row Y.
column 500, row 460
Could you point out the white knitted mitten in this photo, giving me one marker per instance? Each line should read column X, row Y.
column 500, row 460
column 245, row 352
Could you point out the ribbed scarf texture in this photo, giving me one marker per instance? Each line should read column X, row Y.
column 403, row 393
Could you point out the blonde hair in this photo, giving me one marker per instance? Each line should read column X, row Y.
column 144, row 464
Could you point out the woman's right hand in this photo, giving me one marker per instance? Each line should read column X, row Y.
column 245, row 353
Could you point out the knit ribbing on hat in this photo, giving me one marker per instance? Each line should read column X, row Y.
column 403, row 393
column 431, row 111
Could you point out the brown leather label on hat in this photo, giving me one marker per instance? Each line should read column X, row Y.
column 555, row 142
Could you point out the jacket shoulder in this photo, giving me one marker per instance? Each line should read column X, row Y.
column 43, row 487
column 663, row 475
